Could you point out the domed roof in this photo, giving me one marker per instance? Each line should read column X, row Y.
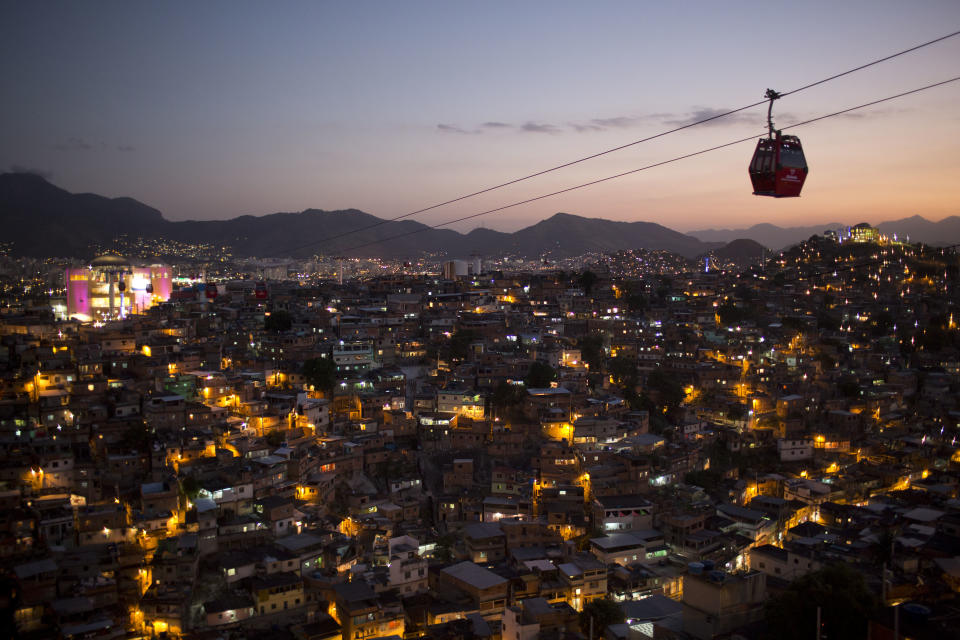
column 110, row 260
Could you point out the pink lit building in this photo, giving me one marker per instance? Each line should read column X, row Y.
column 113, row 288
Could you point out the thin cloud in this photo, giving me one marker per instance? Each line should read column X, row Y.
column 603, row 124
column 449, row 128
column 875, row 113
column 585, row 128
column 43, row 173
column 704, row 113
column 73, row 144
column 536, row 127
column 621, row 122
column 496, row 125
column 126, row 147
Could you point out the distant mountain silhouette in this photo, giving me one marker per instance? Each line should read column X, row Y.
column 564, row 234
column 44, row 220
column 741, row 250
column 768, row 235
column 917, row 228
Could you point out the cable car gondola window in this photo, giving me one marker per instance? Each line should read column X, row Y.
column 791, row 156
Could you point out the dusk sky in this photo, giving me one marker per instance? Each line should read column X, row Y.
column 211, row 110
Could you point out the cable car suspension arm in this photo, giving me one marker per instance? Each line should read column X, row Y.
column 772, row 95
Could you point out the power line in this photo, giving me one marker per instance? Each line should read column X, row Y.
column 619, row 148
column 644, row 168
column 870, row 64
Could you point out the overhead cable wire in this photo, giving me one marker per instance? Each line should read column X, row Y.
column 621, row 147
column 644, row 168
column 870, row 64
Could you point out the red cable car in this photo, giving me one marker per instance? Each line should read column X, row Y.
column 260, row 291
column 211, row 291
column 778, row 167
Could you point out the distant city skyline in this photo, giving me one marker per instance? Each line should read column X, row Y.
column 218, row 110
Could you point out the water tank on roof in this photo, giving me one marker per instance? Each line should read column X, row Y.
column 717, row 576
column 695, row 568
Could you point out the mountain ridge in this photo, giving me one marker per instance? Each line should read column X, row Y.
column 915, row 227
column 74, row 222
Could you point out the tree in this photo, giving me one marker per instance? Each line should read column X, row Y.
column 849, row 388
column 664, row 289
column 460, row 343
column 190, row 487
column 840, row 593
column 794, row 323
column 737, row 411
column 275, row 439
column 933, row 338
column 540, row 375
column 729, row 313
column 10, row 599
column 668, row 391
column 445, row 547
column 623, row 370
column 278, row 322
column 637, row 302
column 603, row 612
column 137, row 437
column 321, row 373
column 826, row 360
column 591, row 350
column 586, row 280
column 505, row 399
column 709, row 479
column 882, row 324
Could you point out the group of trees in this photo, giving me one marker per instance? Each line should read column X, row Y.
column 591, row 350
column 840, row 594
column 506, row 399
column 539, row 375
column 320, row 373
column 278, row 322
